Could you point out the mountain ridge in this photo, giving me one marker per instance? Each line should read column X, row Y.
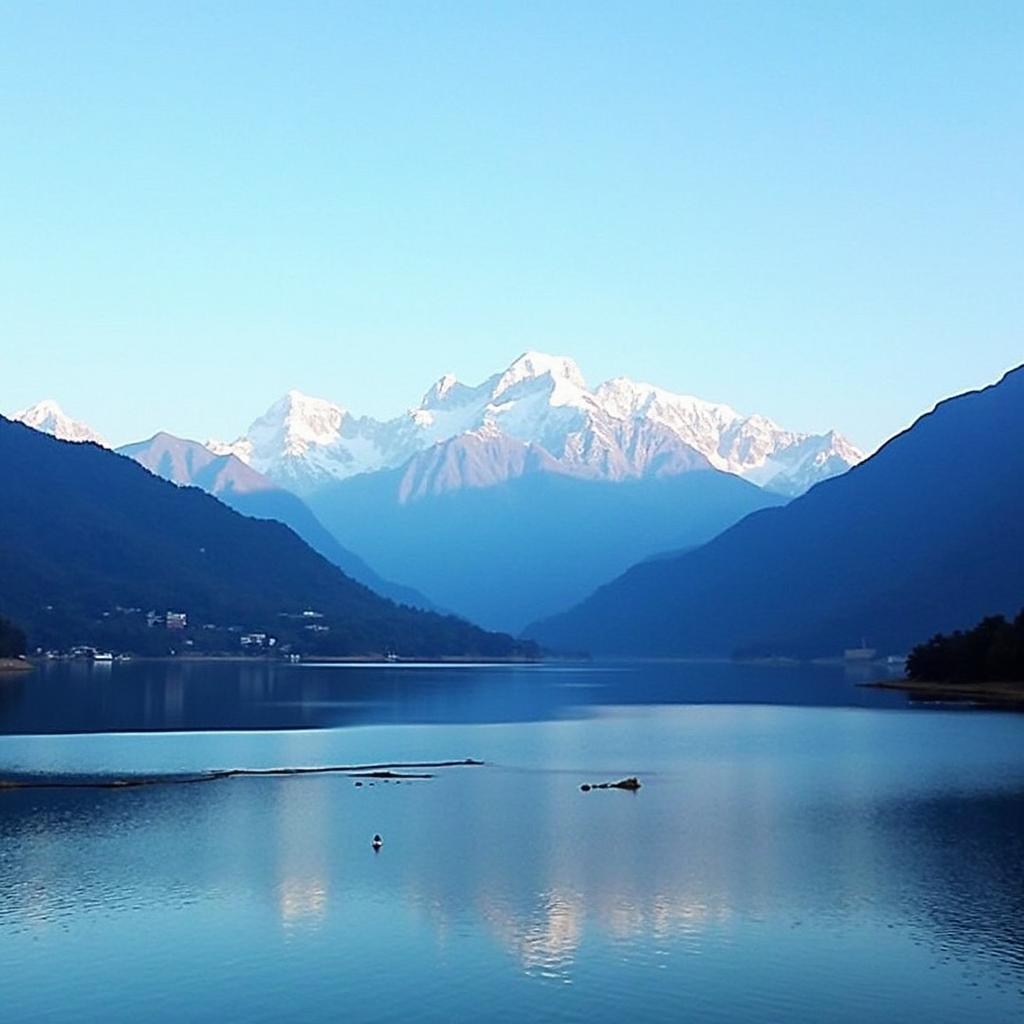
column 50, row 418
column 92, row 540
column 889, row 551
column 534, row 540
column 304, row 443
column 190, row 463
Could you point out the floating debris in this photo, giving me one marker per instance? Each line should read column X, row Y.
column 632, row 784
column 365, row 771
column 390, row 775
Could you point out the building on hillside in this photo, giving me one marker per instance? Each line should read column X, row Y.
column 862, row 653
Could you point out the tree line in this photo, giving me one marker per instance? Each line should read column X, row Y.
column 993, row 651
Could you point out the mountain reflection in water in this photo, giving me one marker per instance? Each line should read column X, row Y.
column 797, row 863
column 182, row 695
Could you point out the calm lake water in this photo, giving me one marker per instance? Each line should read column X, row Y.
column 801, row 850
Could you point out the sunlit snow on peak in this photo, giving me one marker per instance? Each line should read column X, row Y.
column 619, row 430
column 48, row 417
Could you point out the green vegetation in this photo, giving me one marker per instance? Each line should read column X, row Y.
column 12, row 640
column 993, row 651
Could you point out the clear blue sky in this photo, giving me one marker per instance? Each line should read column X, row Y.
column 812, row 210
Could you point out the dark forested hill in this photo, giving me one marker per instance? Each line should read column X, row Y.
column 190, row 463
column 12, row 640
column 922, row 537
column 86, row 536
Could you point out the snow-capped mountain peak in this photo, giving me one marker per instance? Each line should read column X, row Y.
column 562, row 371
column 622, row 429
column 47, row 416
column 627, row 398
column 446, row 391
column 299, row 421
column 754, row 447
column 302, row 442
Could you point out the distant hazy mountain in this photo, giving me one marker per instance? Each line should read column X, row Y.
column 86, row 536
column 925, row 536
column 551, row 451
column 189, row 463
column 621, row 430
column 50, row 418
column 525, row 538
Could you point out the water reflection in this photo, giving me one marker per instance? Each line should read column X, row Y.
column 62, row 697
column 303, row 856
column 532, row 859
column 779, row 863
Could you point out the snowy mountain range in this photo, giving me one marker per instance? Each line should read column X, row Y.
column 538, row 413
column 505, row 501
column 539, row 410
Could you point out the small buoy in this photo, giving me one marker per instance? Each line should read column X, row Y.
column 377, row 842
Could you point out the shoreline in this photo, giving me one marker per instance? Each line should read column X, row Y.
column 990, row 695
column 15, row 665
column 242, row 659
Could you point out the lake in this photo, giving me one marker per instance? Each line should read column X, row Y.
column 801, row 849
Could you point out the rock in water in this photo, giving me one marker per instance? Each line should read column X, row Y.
column 632, row 783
